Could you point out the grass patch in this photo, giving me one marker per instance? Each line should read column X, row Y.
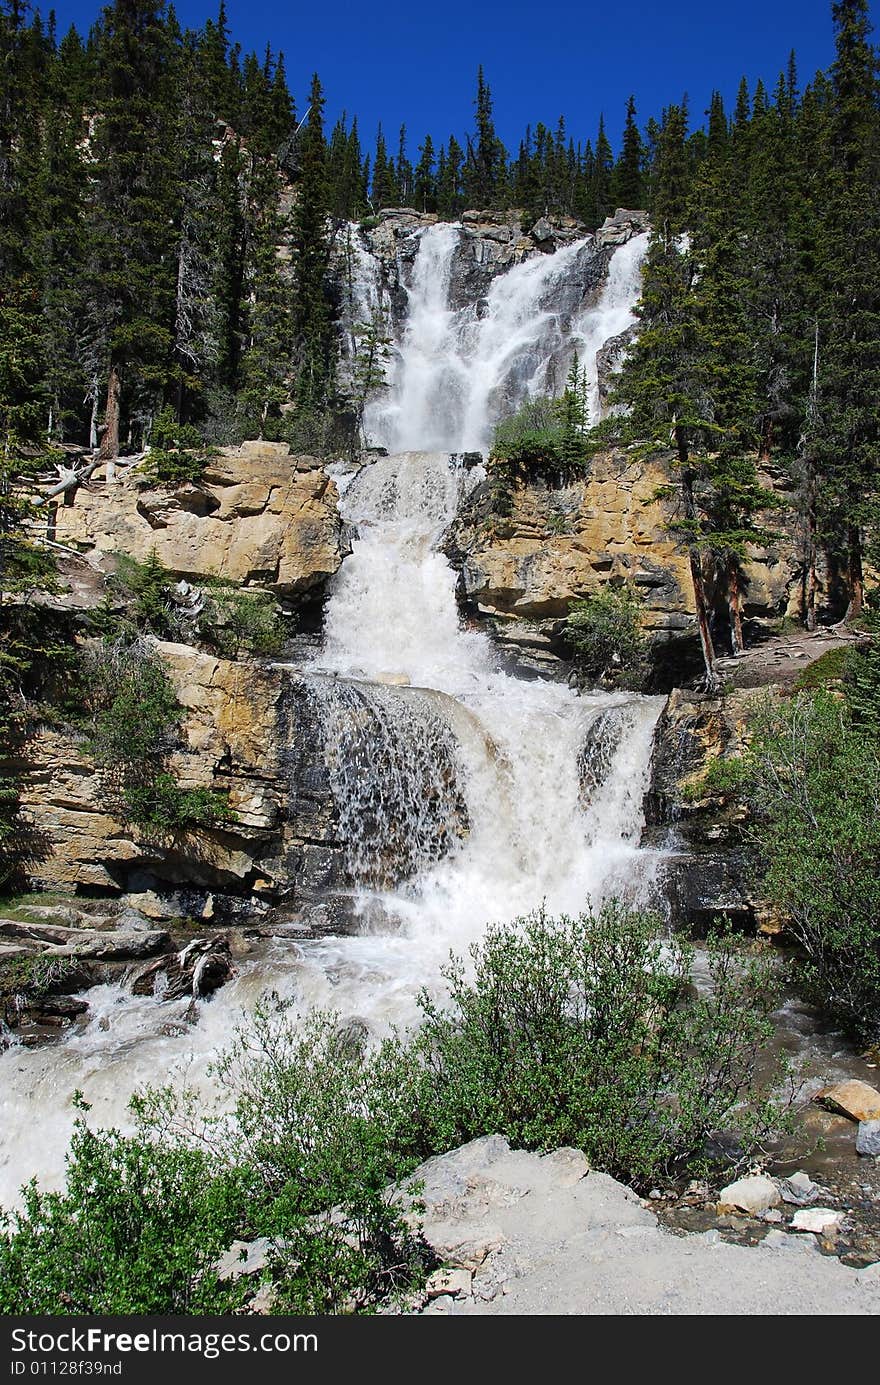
column 825, row 672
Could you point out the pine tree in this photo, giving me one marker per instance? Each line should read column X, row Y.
column 131, row 279
column 425, row 183
column 312, row 325
column 602, row 174
column 449, row 180
column 849, row 376
column 385, row 192
column 627, row 181
column 484, row 170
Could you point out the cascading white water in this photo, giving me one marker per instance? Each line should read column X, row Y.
column 536, row 793
column 613, row 313
column 459, row 369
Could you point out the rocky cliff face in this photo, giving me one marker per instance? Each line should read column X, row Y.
column 490, row 243
column 250, row 732
column 709, row 871
column 560, row 543
column 260, row 518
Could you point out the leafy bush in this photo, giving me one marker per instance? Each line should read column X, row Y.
column 584, row 1032
column 235, row 622
column 132, row 717
column 177, row 451
column 162, row 804
column 573, row 1031
column 547, row 432
column 605, row 634
column 812, row 776
column 301, row 1156
column 135, row 1231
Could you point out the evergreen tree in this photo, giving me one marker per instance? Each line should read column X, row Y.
column 313, row 330
column 602, row 177
column 484, row 171
column 849, row 374
column 627, row 181
column 425, row 183
column 385, row 192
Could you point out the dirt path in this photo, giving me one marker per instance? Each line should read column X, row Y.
column 781, row 658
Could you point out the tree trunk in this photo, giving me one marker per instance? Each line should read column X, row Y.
column 706, row 645
column 734, row 603
column 855, row 575
column 93, row 420
column 695, row 562
column 809, row 583
column 109, row 449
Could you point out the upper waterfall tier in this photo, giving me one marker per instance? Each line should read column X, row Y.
column 461, row 362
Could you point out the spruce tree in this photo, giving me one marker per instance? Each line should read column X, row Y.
column 312, row 326
column 627, row 181
column 849, row 374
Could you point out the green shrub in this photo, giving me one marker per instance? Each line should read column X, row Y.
column 823, row 672
column 547, row 433
column 584, row 1032
column 146, row 587
column 177, row 451
column 236, row 622
column 605, row 634
column 135, row 1231
column 162, row 804
column 36, row 976
column 861, row 678
column 812, row 776
column 132, row 720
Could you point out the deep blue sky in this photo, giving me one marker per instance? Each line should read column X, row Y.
column 407, row 60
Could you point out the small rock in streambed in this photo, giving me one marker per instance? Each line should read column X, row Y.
column 868, row 1138
column 823, row 1221
column 455, row 1283
column 754, row 1195
column 800, row 1189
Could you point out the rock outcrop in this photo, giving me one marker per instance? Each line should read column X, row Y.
column 563, row 542
column 524, row 1234
column 261, row 517
column 707, row 866
column 257, row 734
column 490, row 243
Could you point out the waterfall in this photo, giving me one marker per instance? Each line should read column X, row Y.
column 396, row 777
column 460, row 367
column 465, row 794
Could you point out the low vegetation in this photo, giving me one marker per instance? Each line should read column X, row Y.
column 130, row 716
column 605, row 634
column 811, row 777
column 583, row 1031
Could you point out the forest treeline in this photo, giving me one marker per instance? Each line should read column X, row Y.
column 149, row 174
column 166, row 267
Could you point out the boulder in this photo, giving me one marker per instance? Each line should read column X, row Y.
column 822, row 1221
column 754, row 1195
column 245, row 1258
column 260, row 517
column 800, row 1189
column 454, row 1282
column 868, row 1138
column 855, row 1099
